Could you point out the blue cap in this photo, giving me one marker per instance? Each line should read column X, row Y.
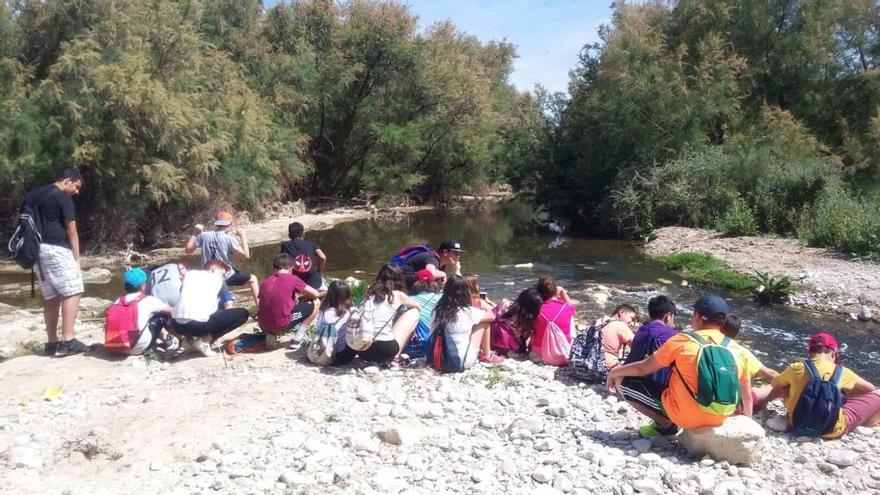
column 709, row 306
column 134, row 278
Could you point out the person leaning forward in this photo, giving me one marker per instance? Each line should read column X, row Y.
column 61, row 283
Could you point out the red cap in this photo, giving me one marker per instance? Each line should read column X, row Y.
column 223, row 218
column 425, row 274
column 823, row 339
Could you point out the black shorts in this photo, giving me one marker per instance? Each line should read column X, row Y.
column 644, row 392
column 379, row 352
column 239, row 278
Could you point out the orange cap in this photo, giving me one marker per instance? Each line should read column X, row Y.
column 223, row 218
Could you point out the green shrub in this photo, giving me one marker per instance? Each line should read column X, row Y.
column 845, row 222
column 707, row 270
column 772, row 289
column 738, row 220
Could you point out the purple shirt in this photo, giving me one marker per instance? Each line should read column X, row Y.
column 646, row 341
column 277, row 300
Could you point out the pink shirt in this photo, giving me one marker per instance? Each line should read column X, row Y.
column 557, row 311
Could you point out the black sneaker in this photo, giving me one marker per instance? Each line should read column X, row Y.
column 70, row 347
column 49, row 348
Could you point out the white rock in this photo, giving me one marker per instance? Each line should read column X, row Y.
column 543, row 402
column 842, row 457
column 533, row 425
column 777, row 423
column 546, row 445
column 24, row 457
column 641, row 445
column 400, row 435
column 649, row 459
column 362, row 441
column 544, row 474
column 292, row 478
column 488, row 422
column 740, row 440
column 545, row 490
column 288, row 441
column 706, row 481
column 557, row 411
column 562, row 483
column 371, row 370
column 427, row 410
column 96, row 275
column 437, row 397
column 730, row 488
column 647, row 486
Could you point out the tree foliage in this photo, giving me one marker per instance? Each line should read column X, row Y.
column 173, row 107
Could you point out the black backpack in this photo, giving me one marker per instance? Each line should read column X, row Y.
column 818, row 407
column 587, row 359
column 25, row 242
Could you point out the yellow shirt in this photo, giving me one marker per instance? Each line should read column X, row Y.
column 679, row 404
column 753, row 365
column 796, row 377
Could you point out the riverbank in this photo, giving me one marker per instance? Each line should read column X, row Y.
column 273, row 423
column 825, row 281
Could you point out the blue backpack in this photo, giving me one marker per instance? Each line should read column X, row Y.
column 404, row 254
column 818, row 407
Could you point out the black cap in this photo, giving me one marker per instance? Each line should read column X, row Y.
column 709, row 306
column 451, row 245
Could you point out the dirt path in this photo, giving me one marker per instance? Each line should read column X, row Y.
column 825, row 280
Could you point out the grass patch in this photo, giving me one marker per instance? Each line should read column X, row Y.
column 708, row 270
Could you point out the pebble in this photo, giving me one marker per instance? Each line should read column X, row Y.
column 842, row 457
column 543, row 474
column 777, row 423
column 24, row 457
column 557, row 411
column 641, row 445
column 647, row 486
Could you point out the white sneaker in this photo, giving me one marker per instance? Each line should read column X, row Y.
column 204, row 347
column 171, row 343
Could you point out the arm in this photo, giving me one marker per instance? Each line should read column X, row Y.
column 193, row 243
column 438, row 274
column 165, row 309
column 488, row 317
column 862, row 386
column 745, row 384
column 407, row 301
column 768, row 373
column 73, row 237
column 310, row 292
column 639, row 368
column 244, row 250
column 562, row 295
column 322, row 260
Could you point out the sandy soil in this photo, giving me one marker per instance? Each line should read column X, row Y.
column 825, row 280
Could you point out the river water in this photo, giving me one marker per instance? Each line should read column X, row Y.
column 499, row 238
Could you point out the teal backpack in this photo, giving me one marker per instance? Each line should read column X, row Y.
column 718, row 390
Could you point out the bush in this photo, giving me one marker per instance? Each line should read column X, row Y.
column 707, row 270
column 738, row 220
column 845, row 222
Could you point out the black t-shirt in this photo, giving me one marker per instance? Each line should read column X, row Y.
column 54, row 207
column 421, row 260
column 293, row 248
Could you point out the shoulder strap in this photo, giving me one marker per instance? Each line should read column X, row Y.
column 696, row 337
column 725, row 341
column 553, row 320
column 838, row 374
column 811, row 369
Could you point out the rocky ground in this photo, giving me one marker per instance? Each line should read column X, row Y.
column 273, row 423
column 825, row 280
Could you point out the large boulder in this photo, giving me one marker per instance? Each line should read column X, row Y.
column 740, row 440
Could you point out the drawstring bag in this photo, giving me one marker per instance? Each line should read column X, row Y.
column 555, row 346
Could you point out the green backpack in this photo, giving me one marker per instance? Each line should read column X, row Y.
column 718, row 390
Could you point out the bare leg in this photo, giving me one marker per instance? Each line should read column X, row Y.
column 403, row 328
column 479, row 335
column 69, row 309
column 51, row 311
column 485, row 341
column 255, row 290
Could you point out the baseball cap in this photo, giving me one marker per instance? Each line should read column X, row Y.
column 823, row 339
column 425, row 274
column 709, row 306
column 134, row 277
column 451, row 245
column 223, row 218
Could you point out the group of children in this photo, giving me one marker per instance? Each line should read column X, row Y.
column 420, row 305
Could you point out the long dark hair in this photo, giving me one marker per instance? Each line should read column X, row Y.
column 456, row 295
column 388, row 280
column 338, row 297
column 525, row 310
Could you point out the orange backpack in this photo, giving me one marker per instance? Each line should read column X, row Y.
column 121, row 330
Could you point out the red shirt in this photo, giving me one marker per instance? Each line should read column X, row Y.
column 277, row 300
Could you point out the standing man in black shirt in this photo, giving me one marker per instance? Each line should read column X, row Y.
column 61, row 282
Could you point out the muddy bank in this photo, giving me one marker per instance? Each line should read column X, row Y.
column 825, row 280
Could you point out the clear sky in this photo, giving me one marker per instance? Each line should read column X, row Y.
column 549, row 34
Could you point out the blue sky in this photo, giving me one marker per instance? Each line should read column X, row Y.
column 548, row 34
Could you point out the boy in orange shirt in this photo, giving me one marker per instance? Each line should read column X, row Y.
column 675, row 406
column 862, row 405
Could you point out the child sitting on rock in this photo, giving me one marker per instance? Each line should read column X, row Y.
column 862, row 404
column 466, row 328
column 514, row 323
column 336, row 310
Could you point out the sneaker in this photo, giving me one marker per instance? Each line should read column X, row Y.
column 490, row 358
column 204, row 347
column 295, row 344
column 49, row 348
column 70, row 347
column 271, row 341
column 652, row 430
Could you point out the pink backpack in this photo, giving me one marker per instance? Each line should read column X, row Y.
column 503, row 334
column 555, row 346
column 121, row 325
